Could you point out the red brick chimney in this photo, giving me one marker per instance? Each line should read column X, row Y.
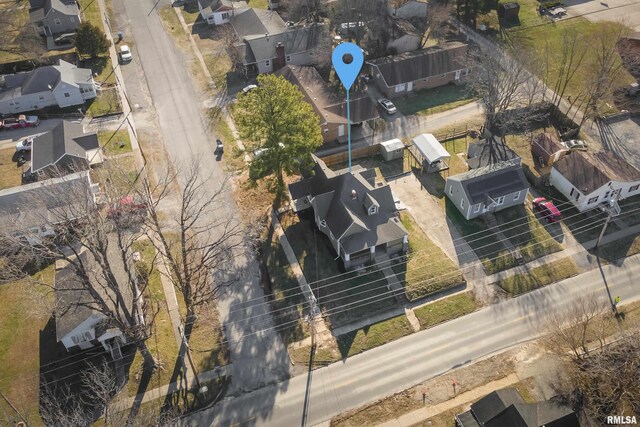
column 280, row 57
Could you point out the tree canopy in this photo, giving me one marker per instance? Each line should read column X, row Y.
column 91, row 40
column 281, row 125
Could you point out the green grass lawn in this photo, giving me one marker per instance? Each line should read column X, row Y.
column 162, row 343
column 428, row 269
column 533, row 40
column 491, row 252
column 287, row 302
column 373, row 336
column 191, row 12
column 345, row 297
column 102, row 66
column 445, row 309
column 91, row 12
column 431, row 101
column 107, row 102
column 538, row 277
column 114, row 143
column 10, row 173
column 526, row 232
column 20, row 344
column 258, row 4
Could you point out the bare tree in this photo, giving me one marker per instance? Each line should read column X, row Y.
column 100, row 385
column 201, row 245
column 59, row 406
column 17, row 38
column 311, row 10
column 432, row 25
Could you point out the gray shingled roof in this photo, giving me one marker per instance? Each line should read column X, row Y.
column 332, row 201
column 67, row 138
column 411, row 66
column 590, row 171
column 493, row 181
column 35, row 204
column 40, row 8
column 43, row 79
column 493, row 403
column 295, row 40
column 257, row 22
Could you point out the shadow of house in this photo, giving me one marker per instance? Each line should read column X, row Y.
column 330, row 108
column 64, row 149
column 505, row 407
column 357, row 213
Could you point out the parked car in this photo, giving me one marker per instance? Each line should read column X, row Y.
column 125, row 53
column 21, row 121
column 547, row 209
column 575, row 144
column 24, row 145
column 249, row 88
column 387, row 105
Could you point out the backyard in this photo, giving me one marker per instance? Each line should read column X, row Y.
column 431, row 101
column 10, row 173
column 426, row 269
column 343, row 296
column 115, row 142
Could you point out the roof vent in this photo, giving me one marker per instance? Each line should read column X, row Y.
column 353, row 194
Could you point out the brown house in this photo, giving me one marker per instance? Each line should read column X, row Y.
column 423, row 69
column 330, row 108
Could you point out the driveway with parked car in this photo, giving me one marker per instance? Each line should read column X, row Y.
column 9, row 138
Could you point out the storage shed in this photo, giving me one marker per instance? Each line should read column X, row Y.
column 430, row 153
column 392, row 149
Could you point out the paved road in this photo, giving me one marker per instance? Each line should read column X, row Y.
column 627, row 11
column 412, row 359
column 259, row 359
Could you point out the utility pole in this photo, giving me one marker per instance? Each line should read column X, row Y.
column 188, row 351
column 612, row 209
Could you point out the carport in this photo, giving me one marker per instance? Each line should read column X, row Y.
column 429, row 153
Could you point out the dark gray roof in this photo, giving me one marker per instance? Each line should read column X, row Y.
column 66, row 139
column 332, row 200
column 295, row 40
column 412, row 66
column 329, row 106
column 467, row 420
column 590, row 171
column 484, row 152
column 69, row 299
column 257, row 22
column 493, row 403
column 493, row 181
column 35, row 204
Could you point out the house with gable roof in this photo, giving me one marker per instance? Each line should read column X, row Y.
column 218, row 12
column 62, row 85
column 51, row 17
column 357, row 213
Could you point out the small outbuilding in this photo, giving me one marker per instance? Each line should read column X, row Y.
column 430, row 153
column 546, row 150
column 392, row 149
column 508, row 12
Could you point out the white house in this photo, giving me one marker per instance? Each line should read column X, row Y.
column 218, row 12
column 62, row 85
column 589, row 179
column 410, row 9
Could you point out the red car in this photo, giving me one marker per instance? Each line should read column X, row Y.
column 547, row 209
column 127, row 207
column 21, row 121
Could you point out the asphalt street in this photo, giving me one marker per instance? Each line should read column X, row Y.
column 403, row 363
column 258, row 358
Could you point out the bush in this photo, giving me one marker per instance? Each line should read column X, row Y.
column 91, row 40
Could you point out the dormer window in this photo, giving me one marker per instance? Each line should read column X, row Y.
column 373, row 209
column 323, row 223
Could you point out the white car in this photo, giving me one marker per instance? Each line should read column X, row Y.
column 575, row 144
column 125, row 53
column 387, row 105
column 24, row 145
column 249, row 88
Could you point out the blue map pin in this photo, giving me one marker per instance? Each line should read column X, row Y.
column 347, row 72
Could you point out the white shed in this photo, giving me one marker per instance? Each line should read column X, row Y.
column 430, row 153
column 391, row 149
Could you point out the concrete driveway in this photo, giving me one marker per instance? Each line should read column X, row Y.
column 625, row 11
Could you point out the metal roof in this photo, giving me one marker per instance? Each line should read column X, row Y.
column 430, row 148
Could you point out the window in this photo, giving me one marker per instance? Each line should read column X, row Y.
column 40, row 97
column 572, row 191
column 267, row 63
column 606, row 195
column 225, row 15
column 451, row 190
column 323, row 223
column 500, row 200
column 593, row 200
column 634, row 188
column 477, row 208
column 516, row 196
column 462, row 204
column 288, row 58
column 66, row 95
column 57, row 21
column 373, row 210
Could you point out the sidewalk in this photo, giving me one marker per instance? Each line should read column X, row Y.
column 429, row 411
